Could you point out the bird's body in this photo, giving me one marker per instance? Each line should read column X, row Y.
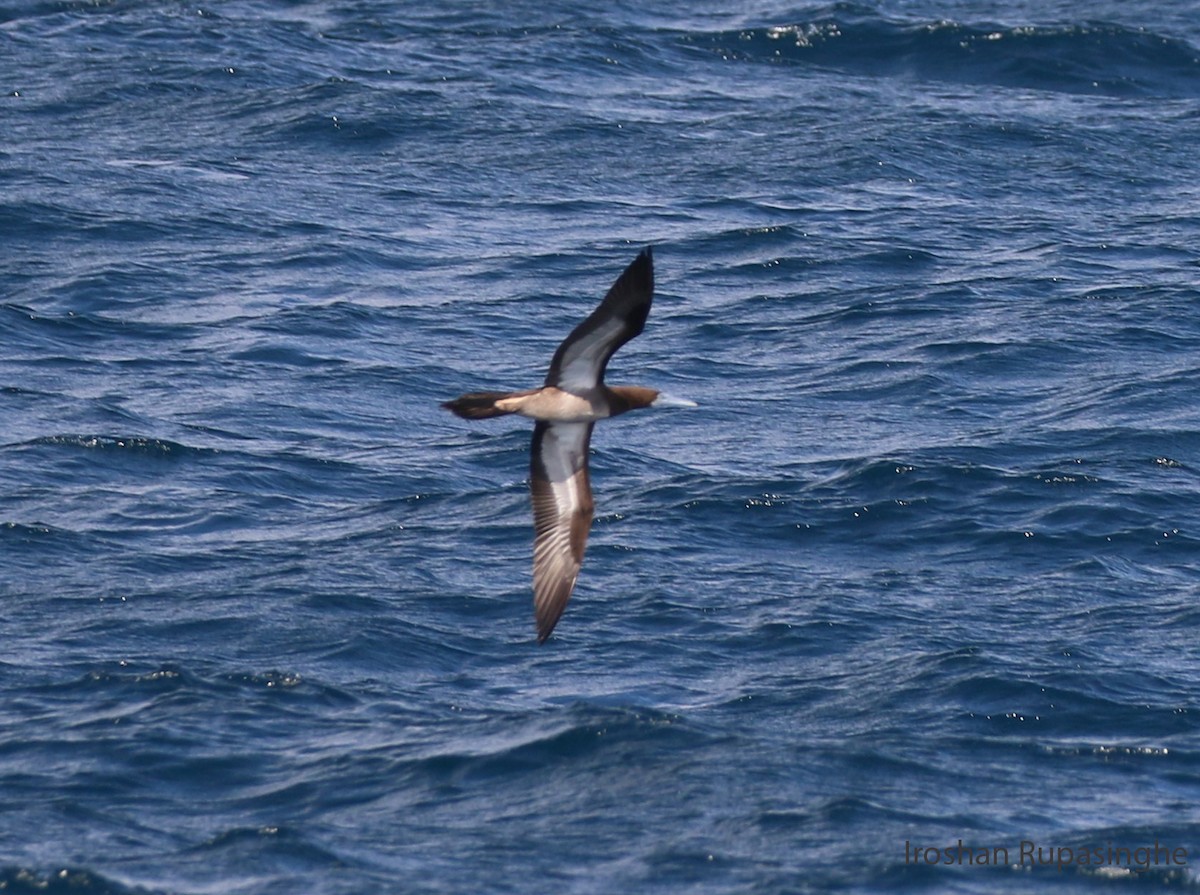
column 566, row 408
column 554, row 404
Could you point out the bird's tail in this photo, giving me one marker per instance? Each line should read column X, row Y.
column 478, row 405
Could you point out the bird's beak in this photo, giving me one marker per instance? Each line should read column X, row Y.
column 665, row 400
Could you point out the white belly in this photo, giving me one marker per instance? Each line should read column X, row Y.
column 554, row 405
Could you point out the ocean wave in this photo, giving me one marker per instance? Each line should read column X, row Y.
column 548, row 739
column 135, row 444
column 270, row 849
column 27, row 881
column 1086, row 57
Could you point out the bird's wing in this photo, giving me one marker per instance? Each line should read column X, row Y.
column 579, row 362
column 562, row 516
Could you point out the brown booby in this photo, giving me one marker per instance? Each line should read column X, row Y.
column 566, row 408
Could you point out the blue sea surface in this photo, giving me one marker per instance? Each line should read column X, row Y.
column 910, row 602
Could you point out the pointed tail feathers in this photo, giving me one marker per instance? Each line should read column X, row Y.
column 478, row 405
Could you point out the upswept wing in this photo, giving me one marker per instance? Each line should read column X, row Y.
column 579, row 362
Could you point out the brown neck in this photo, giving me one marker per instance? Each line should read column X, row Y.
column 629, row 397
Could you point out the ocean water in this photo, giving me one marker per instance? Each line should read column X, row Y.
column 910, row 602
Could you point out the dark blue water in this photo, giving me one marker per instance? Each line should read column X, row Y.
column 923, row 567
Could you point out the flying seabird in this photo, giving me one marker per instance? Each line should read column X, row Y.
column 566, row 408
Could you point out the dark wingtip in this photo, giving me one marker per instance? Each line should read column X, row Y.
column 638, row 278
column 546, row 626
column 646, row 255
